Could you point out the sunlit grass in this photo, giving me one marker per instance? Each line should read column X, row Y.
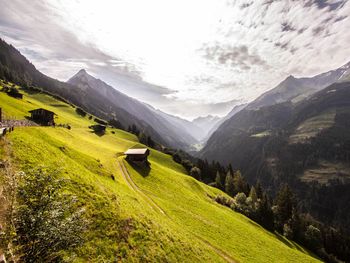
column 191, row 216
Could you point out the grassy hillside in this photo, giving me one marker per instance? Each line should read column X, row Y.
column 159, row 214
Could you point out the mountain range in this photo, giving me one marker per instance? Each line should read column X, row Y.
column 297, row 133
column 296, row 89
column 103, row 100
column 302, row 138
column 164, row 124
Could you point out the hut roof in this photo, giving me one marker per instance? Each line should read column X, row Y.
column 136, row 151
column 42, row 109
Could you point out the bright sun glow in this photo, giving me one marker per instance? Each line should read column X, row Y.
column 208, row 55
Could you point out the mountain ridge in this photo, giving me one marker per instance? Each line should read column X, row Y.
column 296, row 89
column 165, row 127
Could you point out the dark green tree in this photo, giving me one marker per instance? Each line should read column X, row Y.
column 218, row 181
column 285, row 204
column 229, row 184
column 195, row 172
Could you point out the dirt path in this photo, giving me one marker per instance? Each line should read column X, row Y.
column 154, row 206
column 133, row 186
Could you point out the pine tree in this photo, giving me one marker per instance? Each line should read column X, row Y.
column 285, row 205
column 218, row 180
column 253, row 195
column 239, row 183
column 264, row 214
column 229, row 184
column 259, row 190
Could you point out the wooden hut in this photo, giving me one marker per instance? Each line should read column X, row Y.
column 98, row 128
column 15, row 95
column 137, row 155
column 42, row 116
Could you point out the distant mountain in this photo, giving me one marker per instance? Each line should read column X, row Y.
column 169, row 127
column 296, row 89
column 94, row 96
column 206, row 123
column 306, row 145
column 217, row 124
column 185, row 125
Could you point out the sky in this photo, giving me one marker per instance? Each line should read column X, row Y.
column 197, row 57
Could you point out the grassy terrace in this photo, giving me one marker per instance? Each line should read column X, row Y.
column 169, row 217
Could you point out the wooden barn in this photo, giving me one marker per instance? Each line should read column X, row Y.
column 98, row 128
column 137, row 155
column 16, row 95
column 42, row 116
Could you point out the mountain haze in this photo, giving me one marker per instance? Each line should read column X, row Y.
column 305, row 144
column 295, row 89
column 95, row 96
column 167, row 127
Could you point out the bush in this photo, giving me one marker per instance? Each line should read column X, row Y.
column 196, row 173
column 80, row 111
column 116, row 124
column 313, row 237
column 46, row 220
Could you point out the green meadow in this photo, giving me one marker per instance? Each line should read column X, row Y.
column 142, row 215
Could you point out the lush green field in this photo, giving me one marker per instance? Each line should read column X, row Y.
column 159, row 215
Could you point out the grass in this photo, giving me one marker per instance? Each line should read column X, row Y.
column 261, row 134
column 312, row 126
column 326, row 171
column 124, row 225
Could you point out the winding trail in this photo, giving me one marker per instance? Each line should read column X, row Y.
column 156, row 207
column 133, row 186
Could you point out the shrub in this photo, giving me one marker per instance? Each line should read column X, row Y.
column 196, row 173
column 80, row 111
column 46, row 220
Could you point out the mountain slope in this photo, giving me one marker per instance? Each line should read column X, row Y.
column 166, row 216
column 196, row 132
column 95, row 96
column 168, row 130
column 207, row 122
column 233, row 112
column 296, row 89
column 306, row 145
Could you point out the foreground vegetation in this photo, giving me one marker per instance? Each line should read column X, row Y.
column 135, row 214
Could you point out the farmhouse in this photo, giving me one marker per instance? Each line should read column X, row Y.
column 42, row 116
column 137, row 155
column 15, row 94
column 98, row 128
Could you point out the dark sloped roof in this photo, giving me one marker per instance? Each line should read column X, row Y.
column 42, row 109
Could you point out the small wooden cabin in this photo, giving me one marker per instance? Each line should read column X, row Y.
column 15, row 95
column 98, row 128
column 42, row 116
column 137, row 155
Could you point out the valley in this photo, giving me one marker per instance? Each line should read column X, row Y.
column 156, row 215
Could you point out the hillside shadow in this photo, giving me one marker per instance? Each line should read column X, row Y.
column 143, row 169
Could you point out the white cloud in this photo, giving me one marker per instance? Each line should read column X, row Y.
column 203, row 52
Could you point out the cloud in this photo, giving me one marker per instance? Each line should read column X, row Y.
column 233, row 50
column 329, row 4
column 59, row 53
column 233, row 56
